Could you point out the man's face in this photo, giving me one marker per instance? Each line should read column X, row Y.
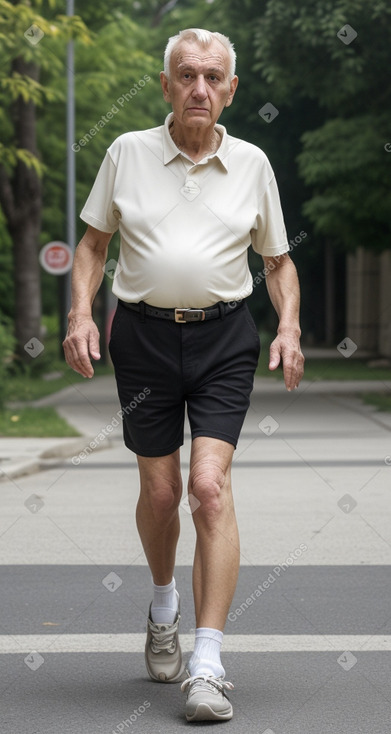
column 199, row 86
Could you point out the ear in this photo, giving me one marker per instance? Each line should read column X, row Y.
column 232, row 89
column 164, row 82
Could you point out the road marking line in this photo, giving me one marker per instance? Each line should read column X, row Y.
column 51, row 643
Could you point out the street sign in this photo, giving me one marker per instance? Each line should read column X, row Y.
column 56, row 258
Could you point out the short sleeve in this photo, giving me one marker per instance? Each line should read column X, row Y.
column 268, row 237
column 98, row 209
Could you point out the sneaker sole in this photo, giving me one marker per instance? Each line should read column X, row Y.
column 204, row 712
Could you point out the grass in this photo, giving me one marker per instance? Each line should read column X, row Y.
column 39, row 422
column 26, row 387
column 32, row 383
column 34, row 422
column 381, row 401
column 40, row 377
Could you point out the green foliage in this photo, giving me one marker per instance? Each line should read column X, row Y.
column 110, row 57
column 298, row 49
column 10, row 155
column 15, row 22
column 346, row 163
column 105, row 72
column 7, row 344
column 343, row 160
column 20, row 85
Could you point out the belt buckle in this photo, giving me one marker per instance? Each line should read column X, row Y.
column 180, row 315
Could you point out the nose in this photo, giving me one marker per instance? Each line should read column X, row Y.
column 199, row 89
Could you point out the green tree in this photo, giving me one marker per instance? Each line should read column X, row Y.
column 116, row 90
column 27, row 43
column 336, row 55
column 111, row 57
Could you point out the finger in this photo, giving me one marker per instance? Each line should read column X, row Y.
column 82, row 362
column 77, row 357
column 94, row 345
column 300, row 371
column 289, row 375
column 275, row 357
column 70, row 355
column 297, row 373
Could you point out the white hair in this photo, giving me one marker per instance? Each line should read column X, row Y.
column 203, row 37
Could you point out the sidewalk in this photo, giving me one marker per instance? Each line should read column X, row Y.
column 91, row 406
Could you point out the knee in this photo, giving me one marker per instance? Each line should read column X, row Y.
column 162, row 496
column 206, row 483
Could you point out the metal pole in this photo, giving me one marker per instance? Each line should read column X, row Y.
column 71, row 168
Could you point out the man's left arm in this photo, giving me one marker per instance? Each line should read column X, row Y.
column 284, row 291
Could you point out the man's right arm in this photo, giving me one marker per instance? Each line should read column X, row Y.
column 82, row 339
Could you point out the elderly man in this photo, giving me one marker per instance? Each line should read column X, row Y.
column 188, row 200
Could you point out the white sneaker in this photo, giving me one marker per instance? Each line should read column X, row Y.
column 163, row 654
column 206, row 699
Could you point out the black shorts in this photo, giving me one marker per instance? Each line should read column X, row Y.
column 161, row 366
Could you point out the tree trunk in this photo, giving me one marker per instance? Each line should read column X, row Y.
column 329, row 294
column 24, row 220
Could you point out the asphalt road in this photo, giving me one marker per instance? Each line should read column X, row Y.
column 308, row 639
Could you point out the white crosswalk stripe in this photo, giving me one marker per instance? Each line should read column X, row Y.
column 134, row 643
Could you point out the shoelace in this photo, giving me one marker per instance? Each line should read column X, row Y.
column 201, row 680
column 163, row 639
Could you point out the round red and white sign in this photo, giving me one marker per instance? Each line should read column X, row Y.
column 56, row 258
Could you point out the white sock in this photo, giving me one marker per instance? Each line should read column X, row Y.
column 165, row 603
column 205, row 659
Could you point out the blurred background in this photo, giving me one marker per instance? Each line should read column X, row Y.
column 314, row 94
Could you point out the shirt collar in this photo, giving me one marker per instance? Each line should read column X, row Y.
column 171, row 151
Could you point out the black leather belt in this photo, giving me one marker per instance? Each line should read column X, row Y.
column 185, row 315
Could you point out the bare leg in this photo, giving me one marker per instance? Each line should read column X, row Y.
column 216, row 560
column 157, row 513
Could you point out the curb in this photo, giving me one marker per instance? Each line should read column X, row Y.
column 64, row 449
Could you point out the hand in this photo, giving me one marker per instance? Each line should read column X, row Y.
column 81, row 343
column 286, row 347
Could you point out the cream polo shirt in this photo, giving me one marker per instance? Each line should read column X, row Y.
column 185, row 227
